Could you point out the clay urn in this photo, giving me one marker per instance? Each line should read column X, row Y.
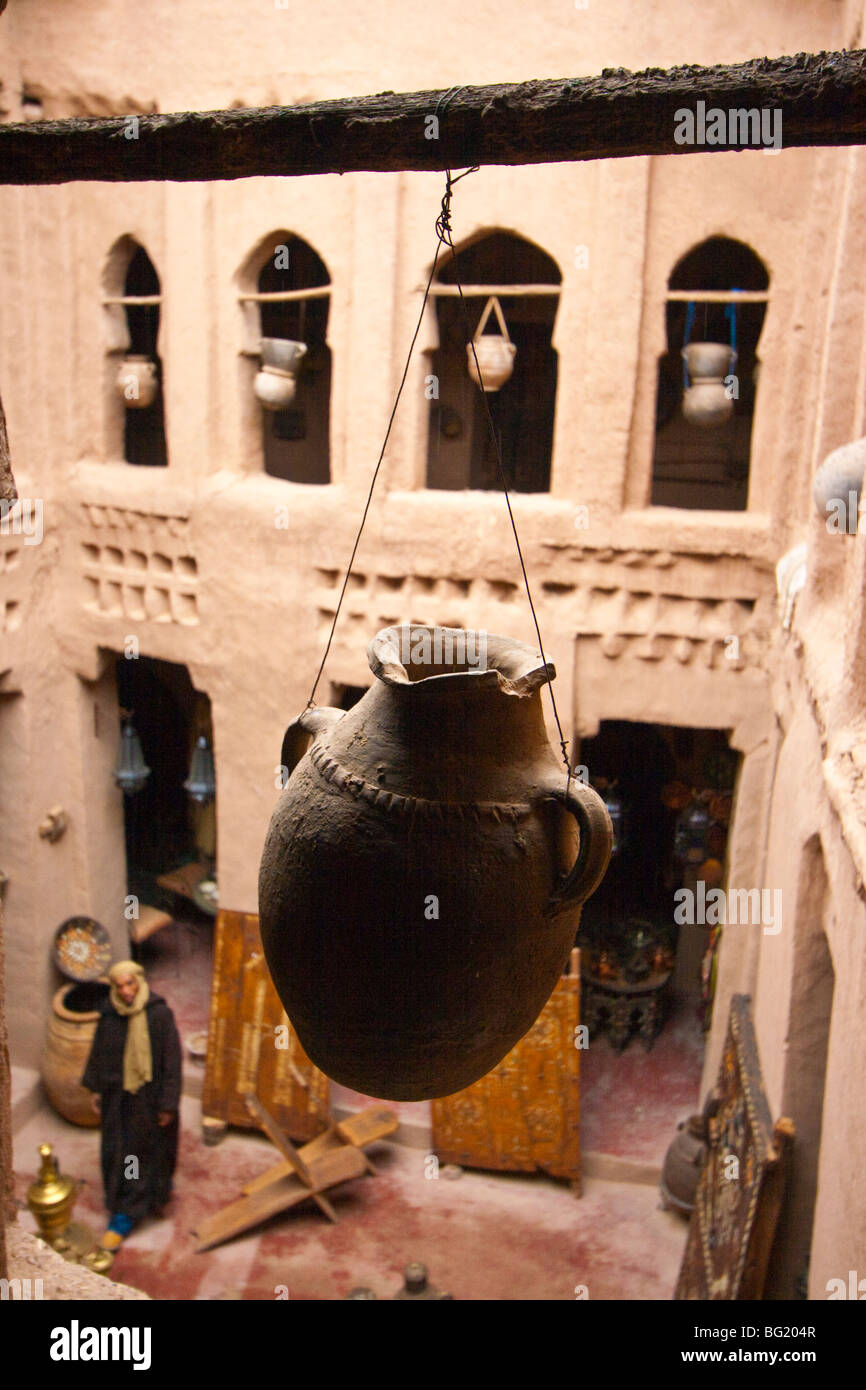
column 706, row 401
column 421, row 881
column 494, row 352
column 683, row 1161
column 275, row 385
column 137, row 382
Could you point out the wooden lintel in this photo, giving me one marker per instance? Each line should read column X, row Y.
column 821, row 98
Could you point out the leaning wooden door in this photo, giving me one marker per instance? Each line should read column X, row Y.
column 525, row 1113
column 251, row 1047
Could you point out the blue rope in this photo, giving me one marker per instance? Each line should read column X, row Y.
column 691, row 307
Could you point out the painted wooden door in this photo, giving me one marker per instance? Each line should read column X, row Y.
column 525, row 1114
column 252, row 1048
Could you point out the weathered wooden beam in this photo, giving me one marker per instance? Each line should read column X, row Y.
column 822, row 99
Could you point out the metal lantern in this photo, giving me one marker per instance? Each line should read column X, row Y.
column 616, row 811
column 690, row 836
column 131, row 771
column 200, row 785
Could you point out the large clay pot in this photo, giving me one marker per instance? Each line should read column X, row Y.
column 706, row 401
column 74, row 1016
column 419, row 891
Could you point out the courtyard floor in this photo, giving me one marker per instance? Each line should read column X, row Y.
column 483, row 1236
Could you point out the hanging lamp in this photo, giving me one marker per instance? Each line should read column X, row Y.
column 690, row 835
column 616, row 810
column 200, row 785
column 131, row 771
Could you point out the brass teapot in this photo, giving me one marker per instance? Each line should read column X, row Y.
column 51, row 1197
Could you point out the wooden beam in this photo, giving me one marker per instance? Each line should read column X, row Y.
column 822, row 98
column 471, row 291
column 720, row 296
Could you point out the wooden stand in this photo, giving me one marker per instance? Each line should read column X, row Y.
column 333, row 1157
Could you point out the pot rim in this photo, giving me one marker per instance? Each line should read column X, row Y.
column 511, row 665
column 718, row 351
column 72, row 1015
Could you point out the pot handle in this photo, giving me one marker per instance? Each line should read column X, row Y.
column 303, row 731
column 596, row 839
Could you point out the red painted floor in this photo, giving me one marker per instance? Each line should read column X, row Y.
column 632, row 1101
column 482, row 1235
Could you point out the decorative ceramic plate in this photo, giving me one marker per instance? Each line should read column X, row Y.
column 82, row 949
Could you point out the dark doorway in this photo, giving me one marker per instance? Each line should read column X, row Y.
column 165, row 829
column 670, row 783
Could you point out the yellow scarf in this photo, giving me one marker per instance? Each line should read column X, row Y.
column 137, row 1056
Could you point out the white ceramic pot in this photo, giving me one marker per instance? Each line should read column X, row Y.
column 283, row 354
column 495, row 359
column 275, row 389
column 136, row 383
column 495, row 351
column 275, row 385
column 706, row 401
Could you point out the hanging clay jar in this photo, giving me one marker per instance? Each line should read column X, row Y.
column 706, row 401
column 136, row 382
column 276, row 383
column 421, row 881
column 495, row 351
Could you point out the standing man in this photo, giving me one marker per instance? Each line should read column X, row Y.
column 135, row 1070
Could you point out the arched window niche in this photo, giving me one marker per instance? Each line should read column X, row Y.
column 284, row 294
column 131, row 302
column 526, row 281
column 717, row 293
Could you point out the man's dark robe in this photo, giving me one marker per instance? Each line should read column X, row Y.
column 130, row 1123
